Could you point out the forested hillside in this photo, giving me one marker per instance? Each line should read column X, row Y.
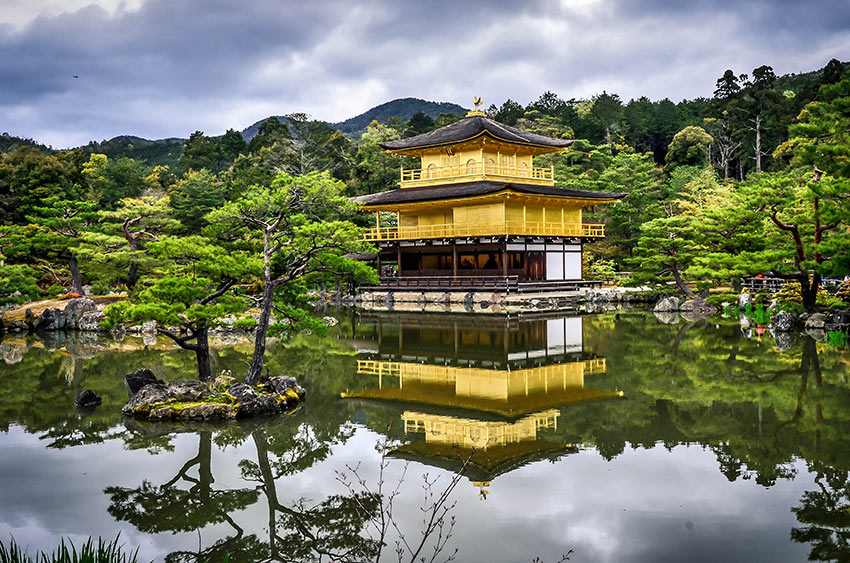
column 753, row 178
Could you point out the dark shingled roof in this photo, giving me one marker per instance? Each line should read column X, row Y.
column 470, row 127
column 468, row 189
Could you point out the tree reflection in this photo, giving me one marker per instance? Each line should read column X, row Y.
column 169, row 508
column 825, row 515
column 306, row 531
column 299, row 530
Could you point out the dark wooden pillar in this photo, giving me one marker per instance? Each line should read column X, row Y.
column 454, row 260
column 379, row 266
column 398, row 258
column 505, row 260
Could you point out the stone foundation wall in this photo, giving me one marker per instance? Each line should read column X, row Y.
column 486, row 302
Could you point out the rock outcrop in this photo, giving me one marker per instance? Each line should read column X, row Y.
column 218, row 400
column 135, row 381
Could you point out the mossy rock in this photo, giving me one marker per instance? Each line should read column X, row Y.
column 195, row 400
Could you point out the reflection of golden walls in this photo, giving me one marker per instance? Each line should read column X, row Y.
column 488, row 383
column 479, row 434
column 509, row 393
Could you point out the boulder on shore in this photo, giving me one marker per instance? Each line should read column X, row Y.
column 783, row 322
column 667, row 305
column 134, row 382
column 816, row 321
column 75, row 309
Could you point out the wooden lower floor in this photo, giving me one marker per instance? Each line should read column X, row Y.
column 479, row 263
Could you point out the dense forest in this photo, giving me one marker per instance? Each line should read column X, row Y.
column 752, row 180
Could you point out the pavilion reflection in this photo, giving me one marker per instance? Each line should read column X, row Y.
column 486, row 390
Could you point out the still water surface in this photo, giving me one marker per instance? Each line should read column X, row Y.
column 616, row 436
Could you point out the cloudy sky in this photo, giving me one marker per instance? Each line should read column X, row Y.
column 72, row 71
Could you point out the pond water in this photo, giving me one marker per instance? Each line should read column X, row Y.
column 615, row 435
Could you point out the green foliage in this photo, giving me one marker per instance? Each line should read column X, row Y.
column 417, row 124
column 193, row 196
column 843, row 291
column 28, row 175
column 689, row 148
column 717, row 299
column 821, row 136
column 201, row 152
column 788, row 293
column 299, row 227
column 164, row 152
column 115, row 251
column 190, row 270
column 316, row 147
column 374, row 170
column 666, row 248
column 18, row 283
column 112, row 180
column 509, row 112
column 232, row 145
column 603, row 270
column 272, row 132
column 9, row 143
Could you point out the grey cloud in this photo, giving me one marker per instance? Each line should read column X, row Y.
column 173, row 67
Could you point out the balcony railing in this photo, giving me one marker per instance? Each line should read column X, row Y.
column 473, row 171
column 486, row 229
column 443, row 373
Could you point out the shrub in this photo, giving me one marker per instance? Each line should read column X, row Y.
column 790, row 293
column 832, row 302
column 719, row 298
column 19, row 284
column 791, row 307
column 843, row 292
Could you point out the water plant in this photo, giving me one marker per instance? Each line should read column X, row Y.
column 757, row 313
column 837, row 339
column 90, row 552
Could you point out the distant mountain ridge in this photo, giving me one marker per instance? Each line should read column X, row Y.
column 402, row 108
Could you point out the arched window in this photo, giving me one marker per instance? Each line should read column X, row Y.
column 490, row 166
column 523, row 169
column 471, row 167
column 431, row 171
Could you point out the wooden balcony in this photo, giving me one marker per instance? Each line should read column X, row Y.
column 415, row 177
column 489, row 229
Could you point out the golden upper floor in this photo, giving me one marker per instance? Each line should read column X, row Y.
column 476, row 148
column 507, row 212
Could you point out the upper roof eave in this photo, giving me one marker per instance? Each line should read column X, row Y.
column 470, row 128
column 471, row 189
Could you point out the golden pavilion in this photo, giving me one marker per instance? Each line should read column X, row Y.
column 477, row 210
